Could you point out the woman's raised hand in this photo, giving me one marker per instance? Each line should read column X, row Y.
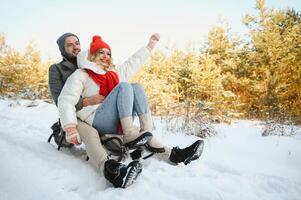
column 153, row 41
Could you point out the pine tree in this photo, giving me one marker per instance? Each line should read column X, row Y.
column 22, row 75
column 274, row 57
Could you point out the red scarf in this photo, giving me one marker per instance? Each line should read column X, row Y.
column 106, row 81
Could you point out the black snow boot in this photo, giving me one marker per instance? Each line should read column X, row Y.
column 121, row 175
column 187, row 154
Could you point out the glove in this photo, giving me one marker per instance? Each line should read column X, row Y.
column 72, row 135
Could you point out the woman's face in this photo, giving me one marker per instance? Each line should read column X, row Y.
column 104, row 57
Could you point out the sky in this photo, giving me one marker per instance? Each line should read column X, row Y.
column 125, row 25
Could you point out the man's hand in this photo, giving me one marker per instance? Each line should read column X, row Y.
column 72, row 135
column 93, row 100
column 153, row 41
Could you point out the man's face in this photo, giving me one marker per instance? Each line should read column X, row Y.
column 72, row 46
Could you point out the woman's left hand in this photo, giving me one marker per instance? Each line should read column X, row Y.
column 153, row 41
column 72, row 135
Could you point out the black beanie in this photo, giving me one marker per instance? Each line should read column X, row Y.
column 61, row 42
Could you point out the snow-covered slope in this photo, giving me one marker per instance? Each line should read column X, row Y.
column 237, row 164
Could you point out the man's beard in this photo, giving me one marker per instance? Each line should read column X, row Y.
column 71, row 59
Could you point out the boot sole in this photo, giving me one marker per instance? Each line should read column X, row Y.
column 135, row 168
column 141, row 140
column 197, row 152
column 153, row 149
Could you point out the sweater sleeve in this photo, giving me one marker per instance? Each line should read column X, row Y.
column 69, row 98
column 133, row 64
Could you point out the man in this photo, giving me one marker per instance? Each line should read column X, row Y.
column 118, row 174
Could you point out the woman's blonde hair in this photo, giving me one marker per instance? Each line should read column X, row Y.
column 92, row 58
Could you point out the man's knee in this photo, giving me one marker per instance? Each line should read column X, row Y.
column 86, row 131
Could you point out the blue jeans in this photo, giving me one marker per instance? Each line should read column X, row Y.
column 123, row 101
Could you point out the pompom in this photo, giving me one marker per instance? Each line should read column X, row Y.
column 96, row 38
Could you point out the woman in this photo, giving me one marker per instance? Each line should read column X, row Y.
column 98, row 75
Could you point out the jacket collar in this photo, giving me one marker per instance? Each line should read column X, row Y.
column 68, row 64
column 84, row 63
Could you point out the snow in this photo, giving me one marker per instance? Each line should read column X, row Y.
column 237, row 164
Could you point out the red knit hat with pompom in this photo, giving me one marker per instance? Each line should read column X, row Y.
column 97, row 43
